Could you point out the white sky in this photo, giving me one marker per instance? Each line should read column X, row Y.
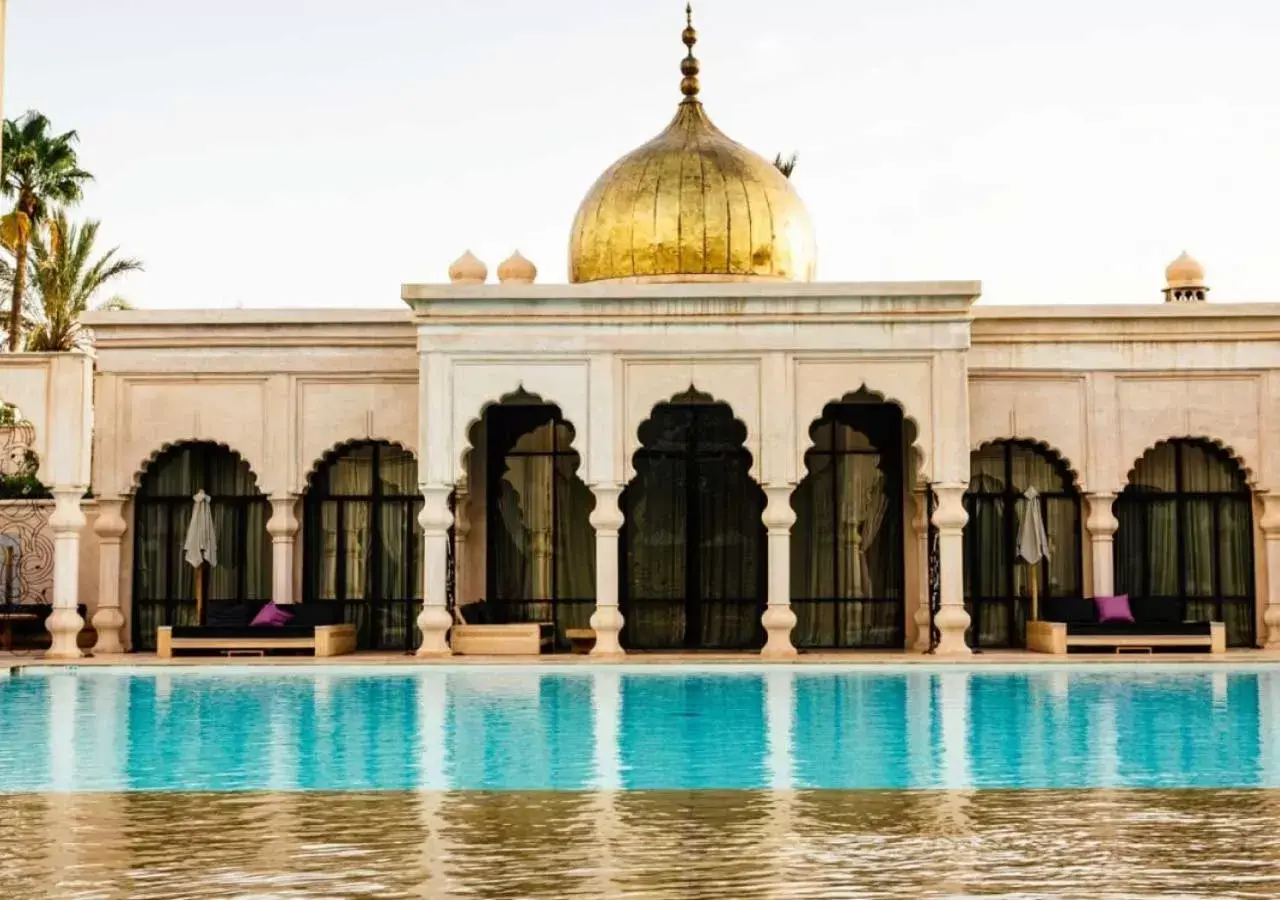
column 291, row 153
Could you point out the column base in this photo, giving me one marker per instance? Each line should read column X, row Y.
column 921, row 619
column 1271, row 619
column 64, row 627
column 607, row 623
column 779, row 622
column 952, row 622
column 434, row 622
column 107, row 622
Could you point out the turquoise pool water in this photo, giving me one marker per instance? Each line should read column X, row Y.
column 494, row 729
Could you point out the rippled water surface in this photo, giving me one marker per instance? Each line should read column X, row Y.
column 778, row 782
column 659, row 845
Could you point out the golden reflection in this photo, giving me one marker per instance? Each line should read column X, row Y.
column 692, row 205
column 658, row 845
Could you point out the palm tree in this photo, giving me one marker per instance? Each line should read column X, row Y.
column 39, row 170
column 65, row 276
column 788, row 165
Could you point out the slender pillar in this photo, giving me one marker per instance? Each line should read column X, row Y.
column 283, row 528
column 1102, row 526
column 1270, row 524
column 606, row 621
column 434, row 620
column 951, row 620
column 64, row 622
column 107, row 618
column 779, row 619
column 461, row 531
column 920, row 529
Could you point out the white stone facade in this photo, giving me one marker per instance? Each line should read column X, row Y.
column 1097, row 385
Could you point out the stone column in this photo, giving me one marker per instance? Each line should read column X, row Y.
column 1270, row 524
column 920, row 529
column 461, row 530
column 64, row 622
column 435, row 620
column 1102, row 526
column 951, row 619
column 107, row 618
column 606, row 621
column 779, row 619
column 283, row 528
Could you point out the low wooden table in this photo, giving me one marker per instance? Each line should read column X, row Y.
column 581, row 640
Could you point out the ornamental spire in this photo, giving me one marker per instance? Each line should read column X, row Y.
column 689, row 66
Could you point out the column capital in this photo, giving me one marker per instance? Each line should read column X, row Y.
column 949, row 515
column 67, row 515
column 1101, row 522
column 109, row 525
column 435, row 517
column 1270, row 521
column 778, row 515
column 283, row 524
column 606, row 518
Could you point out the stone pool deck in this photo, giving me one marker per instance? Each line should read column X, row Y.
column 992, row 657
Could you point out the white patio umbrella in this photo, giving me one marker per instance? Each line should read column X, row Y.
column 1033, row 543
column 201, row 545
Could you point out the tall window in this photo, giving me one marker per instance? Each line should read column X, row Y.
column 997, row 585
column 163, row 582
column 363, row 544
column 846, row 546
column 1185, row 545
column 693, row 542
column 541, row 547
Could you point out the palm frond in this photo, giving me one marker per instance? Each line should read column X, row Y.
column 786, row 165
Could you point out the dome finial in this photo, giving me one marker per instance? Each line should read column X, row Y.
column 689, row 67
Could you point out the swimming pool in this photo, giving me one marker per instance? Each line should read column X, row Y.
column 231, row 729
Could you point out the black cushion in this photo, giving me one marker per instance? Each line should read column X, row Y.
column 1155, row 629
column 319, row 612
column 481, row 613
column 244, row 631
column 1068, row 609
column 230, row 615
column 1156, row 611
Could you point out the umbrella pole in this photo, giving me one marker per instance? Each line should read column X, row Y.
column 200, row 594
column 1033, row 572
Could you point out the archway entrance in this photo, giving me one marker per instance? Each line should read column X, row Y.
column 847, row 545
column 693, row 543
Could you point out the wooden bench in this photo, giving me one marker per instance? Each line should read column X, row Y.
column 513, row 639
column 581, row 640
column 327, row 640
column 1055, row 637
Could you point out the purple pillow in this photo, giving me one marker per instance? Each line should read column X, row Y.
column 271, row 616
column 1114, row 609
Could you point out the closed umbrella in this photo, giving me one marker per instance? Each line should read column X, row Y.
column 1033, row 543
column 201, row 545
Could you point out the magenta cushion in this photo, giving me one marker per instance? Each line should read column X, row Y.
column 1114, row 609
column 272, row 616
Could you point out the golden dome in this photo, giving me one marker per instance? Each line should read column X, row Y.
column 1184, row 272
column 692, row 205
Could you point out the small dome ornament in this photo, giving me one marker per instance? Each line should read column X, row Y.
column 515, row 269
column 467, row 269
column 1184, row 280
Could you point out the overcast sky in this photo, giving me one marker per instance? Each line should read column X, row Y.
column 290, row 153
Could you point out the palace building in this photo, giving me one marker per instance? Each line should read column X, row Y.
column 694, row 444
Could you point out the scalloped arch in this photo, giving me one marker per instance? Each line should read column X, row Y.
column 916, row 452
column 630, row 472
column 141, row 470
column 1044, row 446
column 1250, row 478
column 336, row 448
column 462, row 459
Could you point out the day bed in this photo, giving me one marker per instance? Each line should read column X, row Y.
column 317, row 627
column 1072, row 624
column 477, row 631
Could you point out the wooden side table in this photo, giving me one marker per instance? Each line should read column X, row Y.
column 6, row 626
column 581, row 640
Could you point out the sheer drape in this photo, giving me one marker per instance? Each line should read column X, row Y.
column 363, row 544
column 164, row 584
column 846, row 544
column 997, row 585
column 693, row 535
column 541, row 544
column 1185, row 544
